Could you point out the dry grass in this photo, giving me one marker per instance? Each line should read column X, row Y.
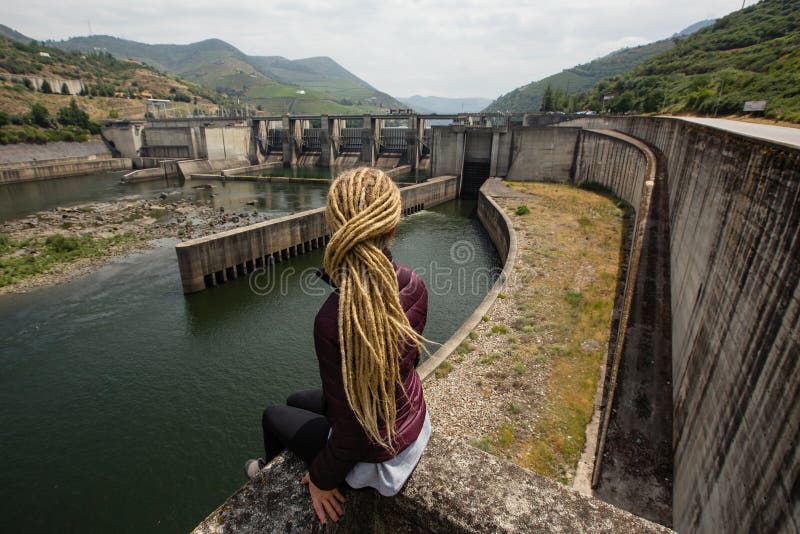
column 534, row 370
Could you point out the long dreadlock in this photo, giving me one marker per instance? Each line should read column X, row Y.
column 363, row 208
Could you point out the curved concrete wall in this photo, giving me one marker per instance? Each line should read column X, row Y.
column 734, row 205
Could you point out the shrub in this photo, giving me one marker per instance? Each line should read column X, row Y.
column 522, row 210
column 59, row 243
column 64, row 89
column 45, row 87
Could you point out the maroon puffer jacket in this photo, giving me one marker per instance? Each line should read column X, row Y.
column 348, row 443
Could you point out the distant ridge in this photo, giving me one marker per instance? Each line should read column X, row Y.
column 439, row 104
column 14, row 35
column 274, row 83
column 583, row 77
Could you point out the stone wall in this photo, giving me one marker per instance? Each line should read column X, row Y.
column 734, row 205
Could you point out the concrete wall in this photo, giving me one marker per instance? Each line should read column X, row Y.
column 190, row 167
column 445, row 142
column 734, row 207
column 214, row 259
column 227, row 142
column 26, row 162
column 542, row 154
column 124, row 137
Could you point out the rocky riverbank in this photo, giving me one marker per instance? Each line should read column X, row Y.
column 54, row 246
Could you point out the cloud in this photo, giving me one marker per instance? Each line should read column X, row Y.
column 446, row 48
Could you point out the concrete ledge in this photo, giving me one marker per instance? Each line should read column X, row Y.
column 190, row 167
column 455, row 488
column 47, row 170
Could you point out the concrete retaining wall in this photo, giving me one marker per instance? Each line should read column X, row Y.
column 542, row 154
column 190, row 167
column 210, row 260
column 26, row 162
column 231, row 142
column 734, row 205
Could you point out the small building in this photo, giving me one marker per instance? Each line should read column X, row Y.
column 44, row 54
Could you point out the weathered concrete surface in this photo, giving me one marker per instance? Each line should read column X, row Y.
column 216, row 258
column 734, row 205
column 543, row 154
column 455, row 488
column 634, row 469
column 765, row 132
column 190, row 167
column 27, row 162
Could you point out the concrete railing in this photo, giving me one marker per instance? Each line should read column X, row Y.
column 210, row 260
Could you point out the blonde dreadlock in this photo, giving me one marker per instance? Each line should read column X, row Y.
column 363, row 208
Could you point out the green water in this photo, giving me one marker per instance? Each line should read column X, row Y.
column 126, row 406
column 19, row 200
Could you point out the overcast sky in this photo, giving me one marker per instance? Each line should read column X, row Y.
column 454, row 48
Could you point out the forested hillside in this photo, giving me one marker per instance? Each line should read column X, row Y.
column 752, row 54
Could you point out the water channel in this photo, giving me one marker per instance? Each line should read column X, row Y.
column 126, row 406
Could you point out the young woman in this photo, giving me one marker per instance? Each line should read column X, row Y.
column 368, row 425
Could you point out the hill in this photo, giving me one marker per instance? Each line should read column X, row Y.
column 438, row 104
column 752, row 54
column 273, row 83
column 105, row 87
column 584, row 77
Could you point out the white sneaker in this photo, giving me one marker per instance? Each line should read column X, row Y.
column 254, row 467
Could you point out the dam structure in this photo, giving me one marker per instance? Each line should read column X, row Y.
column 699, row 419
column 221, row 145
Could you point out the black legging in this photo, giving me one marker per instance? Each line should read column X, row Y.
column 300, row 425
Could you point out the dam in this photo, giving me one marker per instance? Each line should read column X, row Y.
column 706, row 342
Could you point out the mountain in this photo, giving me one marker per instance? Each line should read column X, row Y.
column 14, row 35
column 439, row 104
column 751, row 54
column 105, row 87
column 583, row 77
column 276, row 84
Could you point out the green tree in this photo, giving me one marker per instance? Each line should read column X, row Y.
column 64, row 89
column 547, row 99
column 39, row 116
column 45, row 88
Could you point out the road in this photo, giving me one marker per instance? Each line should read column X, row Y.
column 767, row 132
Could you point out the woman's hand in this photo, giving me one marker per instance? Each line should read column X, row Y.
column 324, row 501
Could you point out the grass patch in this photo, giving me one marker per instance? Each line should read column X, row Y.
column 499, row 329
column 555, row 316
column 522, row 210
column 464, row 348
column 27, row 258
column 443, row 370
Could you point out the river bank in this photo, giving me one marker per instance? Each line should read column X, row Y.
column 53, row 246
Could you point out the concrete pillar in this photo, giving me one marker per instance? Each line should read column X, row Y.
column 495, row 151
column 461, row 147
column 368, row 141
column 289, row 147
column 326, row 153
column 415, row 125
